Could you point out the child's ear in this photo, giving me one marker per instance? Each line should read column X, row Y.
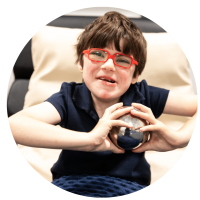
column 80, row 67
column 134, row 79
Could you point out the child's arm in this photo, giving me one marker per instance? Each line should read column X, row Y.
column 183, row 105
column 35, row 127
column 163, row 138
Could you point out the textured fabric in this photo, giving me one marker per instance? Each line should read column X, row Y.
column 97, row 186
column 74, row 103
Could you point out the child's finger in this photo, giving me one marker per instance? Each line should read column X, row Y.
column 149, row 128
column 120, row 112
column 147, row 116
column 120, row 123
column 138, row 127
column 144, row 147
column 114, row 148
column 141, row 107
column 112, row 108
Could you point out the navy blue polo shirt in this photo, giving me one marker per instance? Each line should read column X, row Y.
column 75, row 106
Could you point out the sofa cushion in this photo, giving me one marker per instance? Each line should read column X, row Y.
column 166, row 66
column 53, row 55
column 53, row 60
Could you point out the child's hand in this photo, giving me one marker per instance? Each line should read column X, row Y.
column 105, row 124
column 162, row 138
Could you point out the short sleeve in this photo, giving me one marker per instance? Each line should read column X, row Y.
column 59, row 99
column 158, row 98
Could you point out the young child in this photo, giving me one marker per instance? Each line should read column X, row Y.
column 111, row 54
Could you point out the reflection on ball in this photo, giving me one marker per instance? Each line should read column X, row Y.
column 129, row 138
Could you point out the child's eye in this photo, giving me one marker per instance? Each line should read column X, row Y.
column 122, row 61
column 97, row 53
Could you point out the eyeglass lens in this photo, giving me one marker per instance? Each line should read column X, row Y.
column 100, row 55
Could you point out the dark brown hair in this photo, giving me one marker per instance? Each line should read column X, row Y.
column 110, row 29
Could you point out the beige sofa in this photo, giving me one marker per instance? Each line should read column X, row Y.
column 53, row 57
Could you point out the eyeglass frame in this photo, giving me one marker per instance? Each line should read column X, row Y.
column 110, row 56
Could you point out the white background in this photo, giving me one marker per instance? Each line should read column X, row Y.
column 99, row 11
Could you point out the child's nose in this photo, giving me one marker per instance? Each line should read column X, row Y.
column 108, row 65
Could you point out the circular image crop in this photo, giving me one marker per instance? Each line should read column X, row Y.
column 65, row 92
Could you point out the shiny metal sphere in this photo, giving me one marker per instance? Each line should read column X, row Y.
column 129, row 138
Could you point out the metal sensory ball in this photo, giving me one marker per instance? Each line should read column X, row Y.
column 129, row 138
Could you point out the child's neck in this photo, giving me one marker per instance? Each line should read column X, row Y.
column 100, row 105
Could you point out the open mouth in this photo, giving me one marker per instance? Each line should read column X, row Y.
column 108, row 80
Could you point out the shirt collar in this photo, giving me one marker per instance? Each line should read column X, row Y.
column 132, row 95
column 83, row 100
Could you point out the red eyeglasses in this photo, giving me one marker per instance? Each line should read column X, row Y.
column 119, row 59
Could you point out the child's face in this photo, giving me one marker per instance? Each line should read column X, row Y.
column 94, row 72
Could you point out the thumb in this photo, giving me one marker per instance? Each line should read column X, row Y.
column 144, row 147
column 114, row 148
column 117, row 150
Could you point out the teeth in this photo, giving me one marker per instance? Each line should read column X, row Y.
column 107, row 80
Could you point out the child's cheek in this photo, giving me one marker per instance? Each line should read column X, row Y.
column 126, row 76
column 88, row 72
